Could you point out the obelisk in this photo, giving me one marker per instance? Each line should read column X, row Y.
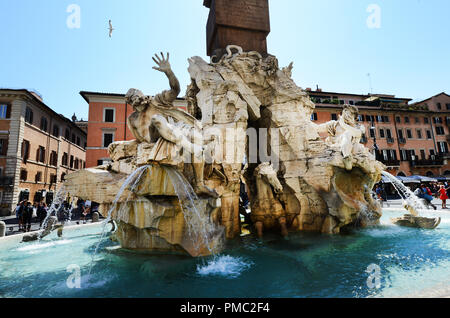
column 245, row 23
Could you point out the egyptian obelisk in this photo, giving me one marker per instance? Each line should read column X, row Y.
column 245, row 23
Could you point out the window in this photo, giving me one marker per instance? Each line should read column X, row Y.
column 40, row 154
column 440, row 131
column 437, row 120
column 403, row 154
column 23, row 175
column 78, row 141
column 108, row 138
column 313, row 118
column 44, row 124
column 3, row 147
column 439, row 106
column 109, row 115
column 77, row 163
column 389, row 133
column 382, row 135
column 447, row 106
column 25, row 152
column 63, row 175
column 432, row 153
column 426, row 120
column 385, row 119
column 409, row 133
column 423, row 154
column 360, row 118
column 65, row 159
column 54, row 158
column 29, row 115
column 71, row 161
column 406, row 120
column 351, row 102
column 67, row 134
column 73, row 138
column 342, row 102
column 398, row 120
column 419, row 133
column 38, row 177
column 333, row 117
column 393, row 154
column 5, row 111
column 55, row 131
column 400, row 134
column 417, row 120
column 429, row 134
column 443, row 147
column 53, row 178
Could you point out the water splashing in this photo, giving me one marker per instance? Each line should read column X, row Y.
column 410, row 198
column 131, row 183
column 201, row 230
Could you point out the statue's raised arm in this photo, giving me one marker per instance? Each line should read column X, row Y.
column 166, row 97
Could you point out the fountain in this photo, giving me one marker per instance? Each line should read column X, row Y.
column 413, row 205
column 186, row 198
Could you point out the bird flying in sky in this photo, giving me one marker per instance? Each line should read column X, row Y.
column 111, row 29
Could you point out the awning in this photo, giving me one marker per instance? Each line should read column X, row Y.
column 408, row 179
column 443, row 178
column 424, row 179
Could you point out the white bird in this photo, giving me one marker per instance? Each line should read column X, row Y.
column 111, row 29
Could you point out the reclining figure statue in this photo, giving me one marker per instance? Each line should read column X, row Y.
column 156, row 120
column 347, row 133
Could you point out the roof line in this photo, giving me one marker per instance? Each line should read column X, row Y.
column 62, row 117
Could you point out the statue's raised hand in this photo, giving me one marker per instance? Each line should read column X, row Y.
column 163, row 63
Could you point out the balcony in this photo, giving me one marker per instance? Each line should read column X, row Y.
column 391, row 163
column 402, row 141
column 6, row 181
column 435, row 161
column 390, row 140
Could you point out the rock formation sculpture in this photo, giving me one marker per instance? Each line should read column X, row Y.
column 244, row 112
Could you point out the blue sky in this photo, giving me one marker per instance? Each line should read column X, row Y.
column 329, row 42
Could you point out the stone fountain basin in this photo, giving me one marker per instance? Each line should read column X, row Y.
column 417, row 222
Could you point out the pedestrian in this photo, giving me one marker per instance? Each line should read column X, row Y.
column 27, row 216
column 443, row 196
column 19, row 214
column 427, row 196
column 42, row 213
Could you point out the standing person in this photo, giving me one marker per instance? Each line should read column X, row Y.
column 427, row 196
column 42, row 213
column 443, row 196
column 19, row 214
column 27, row 215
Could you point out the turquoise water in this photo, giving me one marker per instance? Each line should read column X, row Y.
column 412, row 262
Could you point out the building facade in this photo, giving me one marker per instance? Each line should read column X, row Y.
column 38, row 148
column 412, row 139
column 107, row 123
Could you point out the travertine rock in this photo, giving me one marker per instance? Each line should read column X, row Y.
column 184, row 171
column 417, row 222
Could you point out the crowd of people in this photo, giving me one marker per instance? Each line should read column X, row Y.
column 425, row 191
column 28, row 213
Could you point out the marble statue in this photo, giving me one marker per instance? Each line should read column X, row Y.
column 156, row 120
column 301, row 182
column 347, row 133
